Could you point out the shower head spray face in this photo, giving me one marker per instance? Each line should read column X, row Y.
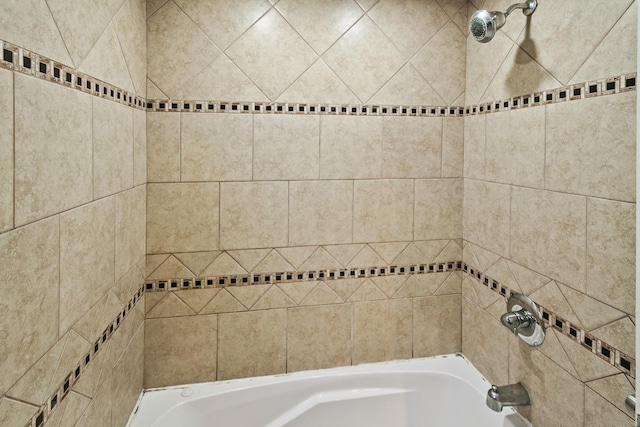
column 484, row 24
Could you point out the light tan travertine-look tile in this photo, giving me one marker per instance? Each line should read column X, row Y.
column 485, row 342
column 319, row 84
column 320, row 23
column 548, row 234
column 318, row 337
column 182, row 217
column 411, row 147
column 224, row 20
column 106, row 61
column 286, row 147
column 442, row 62
column 69, row 411
column 53, row 167
column 382, row 330
column 437, row 325
column 6, row 150
column 169, row 350
column 320, row 212
column 483, row 62
column 130, row 24
column 619, row 334
column 515, row 147
column 518, row 75
column 271, row 54
column 600, row 412
column 235, row 86
column 177, row 50
column 407, row 87
column 591, row 146
column 559, row 395
column 252, row 343
column 253, row 214
column 614, row 388
column 98, row 412
column 610, row 253
column 154, row 5
column 29, row 303
column 51, row 370
column 163, row 147
column 562, row 48
column 474, row 146
column 382, row 210
column 424, row 19
column 14, row 413
column 87, row 258
column 438, row 209
column 215, row 147
column 128, row 379
column 80, row 25
column 617, row 53
column 362, row 136
column 486, row 215
column 452, row 147
column 139, row 147
column 112, row 147
column 35, row 29
column 357, row 57
column 130, row 217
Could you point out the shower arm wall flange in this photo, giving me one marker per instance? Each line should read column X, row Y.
column 527, row 7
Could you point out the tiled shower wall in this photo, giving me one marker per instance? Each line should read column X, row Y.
column 549, row 208
column 233, row 195
column 72, row 213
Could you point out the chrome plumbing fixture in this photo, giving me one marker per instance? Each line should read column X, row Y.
column 507, row 395
column 484, row 24
column 524, row 319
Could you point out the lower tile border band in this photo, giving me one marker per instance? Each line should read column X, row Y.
column 596, row 346
column 62, row 391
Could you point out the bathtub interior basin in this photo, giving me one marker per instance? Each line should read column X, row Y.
column 439, row 391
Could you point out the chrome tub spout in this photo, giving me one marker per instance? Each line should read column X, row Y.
column 507, row 395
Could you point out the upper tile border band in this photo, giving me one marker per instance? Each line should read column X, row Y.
column 24, row 61
column 18, row 59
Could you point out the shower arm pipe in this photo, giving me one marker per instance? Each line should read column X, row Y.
column 527, row 7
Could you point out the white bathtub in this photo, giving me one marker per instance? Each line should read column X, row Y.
column 443, row 391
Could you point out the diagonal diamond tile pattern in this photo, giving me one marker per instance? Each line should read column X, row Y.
column 364, row 66
column 272, row 54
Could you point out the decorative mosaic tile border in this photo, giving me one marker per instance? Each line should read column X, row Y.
column 590, row 89
column 606, row 352
column 62, row 391
column 26, row 62
column 299, row 276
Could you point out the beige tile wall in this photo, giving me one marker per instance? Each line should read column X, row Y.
column 296, row 51
column 549, row 207
column 72, row 214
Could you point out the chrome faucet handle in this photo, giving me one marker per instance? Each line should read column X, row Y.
column 524, row 319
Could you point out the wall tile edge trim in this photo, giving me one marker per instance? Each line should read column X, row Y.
column 596, row 346
column 24, row 61
column 43, row 414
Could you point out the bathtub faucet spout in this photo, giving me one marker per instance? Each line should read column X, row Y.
column 507, row 395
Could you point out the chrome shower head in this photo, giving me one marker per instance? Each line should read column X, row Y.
column 484, row 24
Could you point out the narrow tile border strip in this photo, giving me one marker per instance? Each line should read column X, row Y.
column 606, row 86
column 21, row 60
column 603, row 350
column 62, row 391
column 27, row 62
column 176, row 284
